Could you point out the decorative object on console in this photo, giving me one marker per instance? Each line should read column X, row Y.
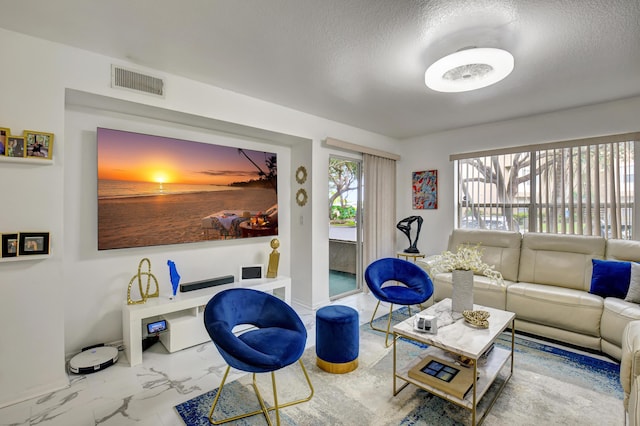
column 9, row 245
column 174, row 276
column 30, row 243
column 405, row 226
column 144, row 293
column 250, row 272
column 425, row 190
column 39, row 144
column 274, row 259
column 212, row 282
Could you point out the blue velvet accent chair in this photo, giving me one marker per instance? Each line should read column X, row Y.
column 397, row 282
column 276, row 339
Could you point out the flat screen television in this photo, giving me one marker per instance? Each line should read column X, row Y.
column 156, row 190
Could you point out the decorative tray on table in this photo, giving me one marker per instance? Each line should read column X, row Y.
column 477, row 319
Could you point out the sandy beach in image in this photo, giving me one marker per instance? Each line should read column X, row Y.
column 170, row 219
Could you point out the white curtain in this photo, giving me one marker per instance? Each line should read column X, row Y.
column 379, row 214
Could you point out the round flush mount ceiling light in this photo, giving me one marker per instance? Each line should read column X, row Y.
column 469, row 69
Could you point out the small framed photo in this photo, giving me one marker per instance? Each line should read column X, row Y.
column 30, row 243
column 15, row 146
column 251, row 272
column 4, row 134
column 39, row 145
column 9, row 245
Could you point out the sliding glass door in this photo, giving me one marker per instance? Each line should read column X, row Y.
column 344, row 217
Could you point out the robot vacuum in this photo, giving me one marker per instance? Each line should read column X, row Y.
column 93, row 358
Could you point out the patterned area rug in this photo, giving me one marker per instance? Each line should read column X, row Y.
column 549, row 386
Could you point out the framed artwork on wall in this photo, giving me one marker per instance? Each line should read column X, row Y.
column 4, row 134
column 156, row 190
column 15, row 146
column 425, row 190
column 39, row 145
column 9, row 245
column 30, row 243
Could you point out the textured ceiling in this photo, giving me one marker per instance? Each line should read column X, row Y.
column 362, row 62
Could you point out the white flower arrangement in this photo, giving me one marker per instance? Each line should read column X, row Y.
column 466, row 258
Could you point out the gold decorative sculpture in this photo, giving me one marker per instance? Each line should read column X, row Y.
column 274, row 259
column 143, row 294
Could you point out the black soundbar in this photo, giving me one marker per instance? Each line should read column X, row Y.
column 227, row 279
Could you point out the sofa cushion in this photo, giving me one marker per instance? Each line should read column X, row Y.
column 553, row 306
column 616, row 315
column 499, row 248
column 628, row 250
column 633, row 294
column 559, row 260
column 610, row 278
column 630, row 362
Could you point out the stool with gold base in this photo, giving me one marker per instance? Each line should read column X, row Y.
column 337, row 339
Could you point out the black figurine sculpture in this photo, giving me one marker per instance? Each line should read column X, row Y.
column 405, row 226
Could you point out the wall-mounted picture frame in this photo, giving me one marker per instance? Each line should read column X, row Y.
column 425, row 190
column 9, row 245
column 39, row 144
column 15, row 146
column 251, row 272
column 4, row 134
column 30, row 243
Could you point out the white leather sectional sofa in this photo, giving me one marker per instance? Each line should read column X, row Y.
column 547, row 278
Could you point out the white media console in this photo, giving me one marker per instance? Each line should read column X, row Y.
column 185, row 315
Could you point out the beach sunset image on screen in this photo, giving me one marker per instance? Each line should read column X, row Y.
column 155, row 190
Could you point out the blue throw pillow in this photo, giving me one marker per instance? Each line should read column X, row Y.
column 610, row 278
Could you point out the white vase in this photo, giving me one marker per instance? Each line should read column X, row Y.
column 462, row 295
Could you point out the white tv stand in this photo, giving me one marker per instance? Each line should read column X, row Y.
column 186, row 312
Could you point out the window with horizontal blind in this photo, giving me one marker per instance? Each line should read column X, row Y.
column 583, row 187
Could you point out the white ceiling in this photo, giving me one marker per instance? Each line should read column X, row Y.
column 362, row 62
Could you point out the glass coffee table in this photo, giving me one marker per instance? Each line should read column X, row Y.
column 464, row 350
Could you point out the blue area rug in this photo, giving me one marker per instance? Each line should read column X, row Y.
column 550, row 386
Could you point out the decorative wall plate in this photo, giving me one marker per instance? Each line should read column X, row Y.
column 301, row 197
column 301, row 175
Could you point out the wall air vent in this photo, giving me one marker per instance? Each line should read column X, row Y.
column 131, row 80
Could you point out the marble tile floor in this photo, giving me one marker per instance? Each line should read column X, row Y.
column 145, row 395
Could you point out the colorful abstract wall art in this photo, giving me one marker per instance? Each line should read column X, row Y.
column 425, row 190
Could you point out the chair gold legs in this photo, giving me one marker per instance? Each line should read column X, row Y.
column 388, row 330
column 264, row 409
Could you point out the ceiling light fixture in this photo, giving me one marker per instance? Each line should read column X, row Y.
column 469, row 69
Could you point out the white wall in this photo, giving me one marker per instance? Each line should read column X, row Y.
column 53, row 307
column 432, row 152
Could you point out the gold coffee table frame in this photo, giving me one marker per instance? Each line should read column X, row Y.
column 473, row 344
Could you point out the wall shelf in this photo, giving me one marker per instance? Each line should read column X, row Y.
column 25, row 257
column 26, row 160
